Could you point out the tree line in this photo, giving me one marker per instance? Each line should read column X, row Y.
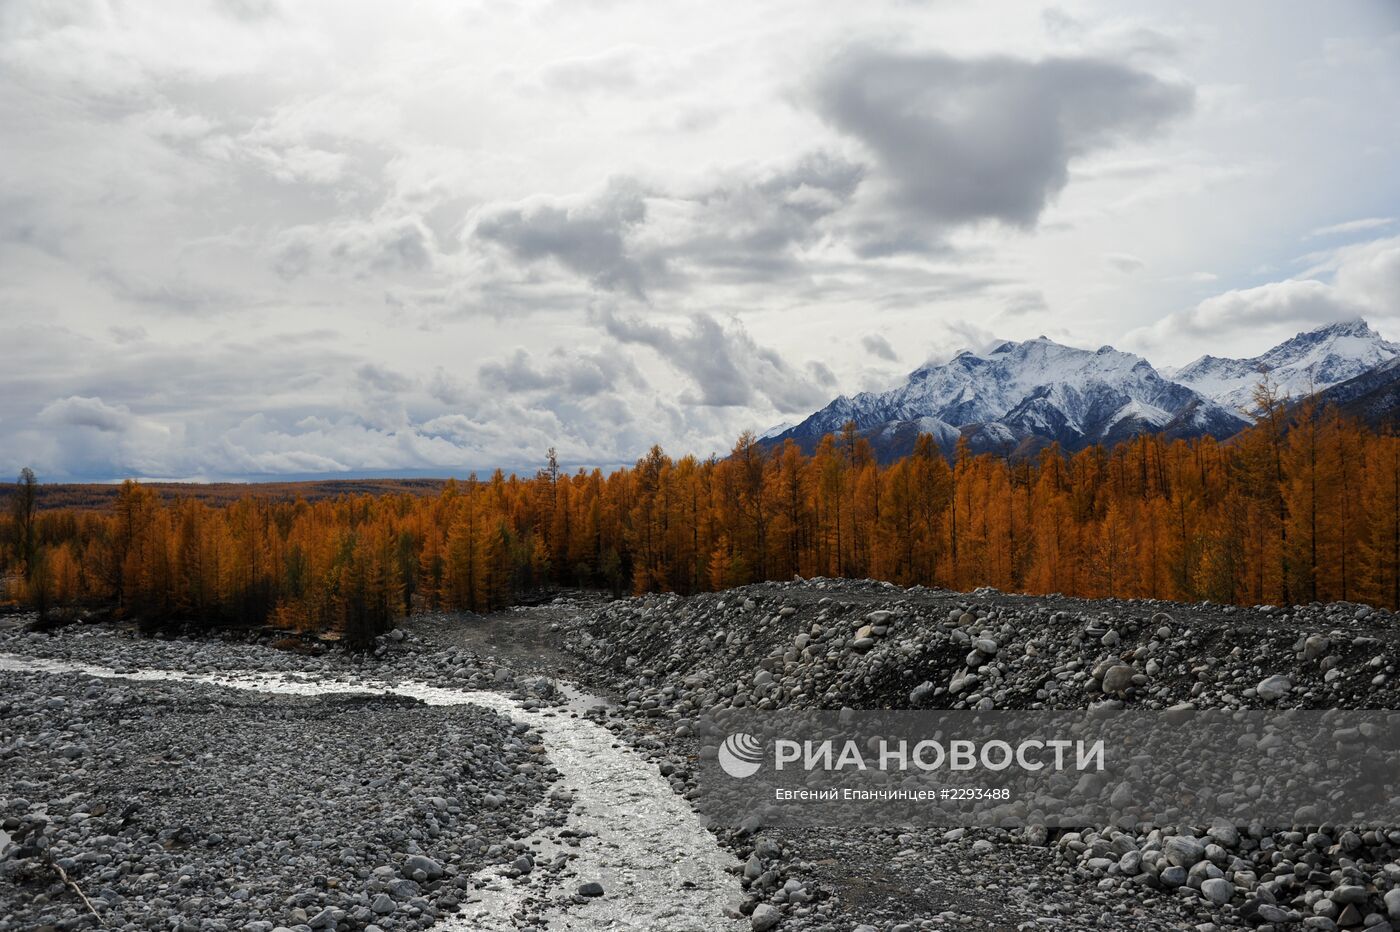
column 1303, row 506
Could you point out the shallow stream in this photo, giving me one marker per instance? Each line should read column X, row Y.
column 659, row 867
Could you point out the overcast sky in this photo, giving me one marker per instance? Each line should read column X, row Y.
column 255, row 238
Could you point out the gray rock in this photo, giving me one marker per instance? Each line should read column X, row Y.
column 1271, row 913
column 421, row 862
column 1273, row 688
column 765, row 916
column 1173, row 877
column 1392, row 903
column 1225, row 835
column 1183, row 850
column 1117, row 678
column 590, row 889
column 325, row 919
column 1218, row 890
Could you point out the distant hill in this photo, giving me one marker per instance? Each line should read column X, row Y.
column 95, row 496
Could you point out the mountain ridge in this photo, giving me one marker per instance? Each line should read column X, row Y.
column 1018, row 397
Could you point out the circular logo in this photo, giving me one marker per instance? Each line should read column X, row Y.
column 740, row 755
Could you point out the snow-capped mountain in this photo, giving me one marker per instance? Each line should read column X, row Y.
column 1308, row 363
column 1018, row 397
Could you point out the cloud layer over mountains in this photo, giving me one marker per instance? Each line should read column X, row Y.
column 261, row 239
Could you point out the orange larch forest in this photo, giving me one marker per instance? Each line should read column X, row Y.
column 1304, row 506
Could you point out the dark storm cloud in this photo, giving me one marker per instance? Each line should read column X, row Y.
column 587, row 236
column 725, row 364
column 961, row 140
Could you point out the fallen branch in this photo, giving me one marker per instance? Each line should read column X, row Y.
column 63, row 875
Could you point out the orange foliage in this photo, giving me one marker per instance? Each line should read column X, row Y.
column 1308, row 510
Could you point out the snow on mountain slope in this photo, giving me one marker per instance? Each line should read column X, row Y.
column 777, row 430
column 1038, row 391
column 1021, row 396
column 1145, row 413
column 1307, row 363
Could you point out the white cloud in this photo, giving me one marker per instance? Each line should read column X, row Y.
column 1363, row 225
column 255, row 236
column 1365, row 282
column 76, row 411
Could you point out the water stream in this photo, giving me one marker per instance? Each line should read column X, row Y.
column 659, row 867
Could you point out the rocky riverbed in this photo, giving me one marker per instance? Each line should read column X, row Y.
column 186, row 807
column 210, row 785
column 841, row 644
column 665, row 663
